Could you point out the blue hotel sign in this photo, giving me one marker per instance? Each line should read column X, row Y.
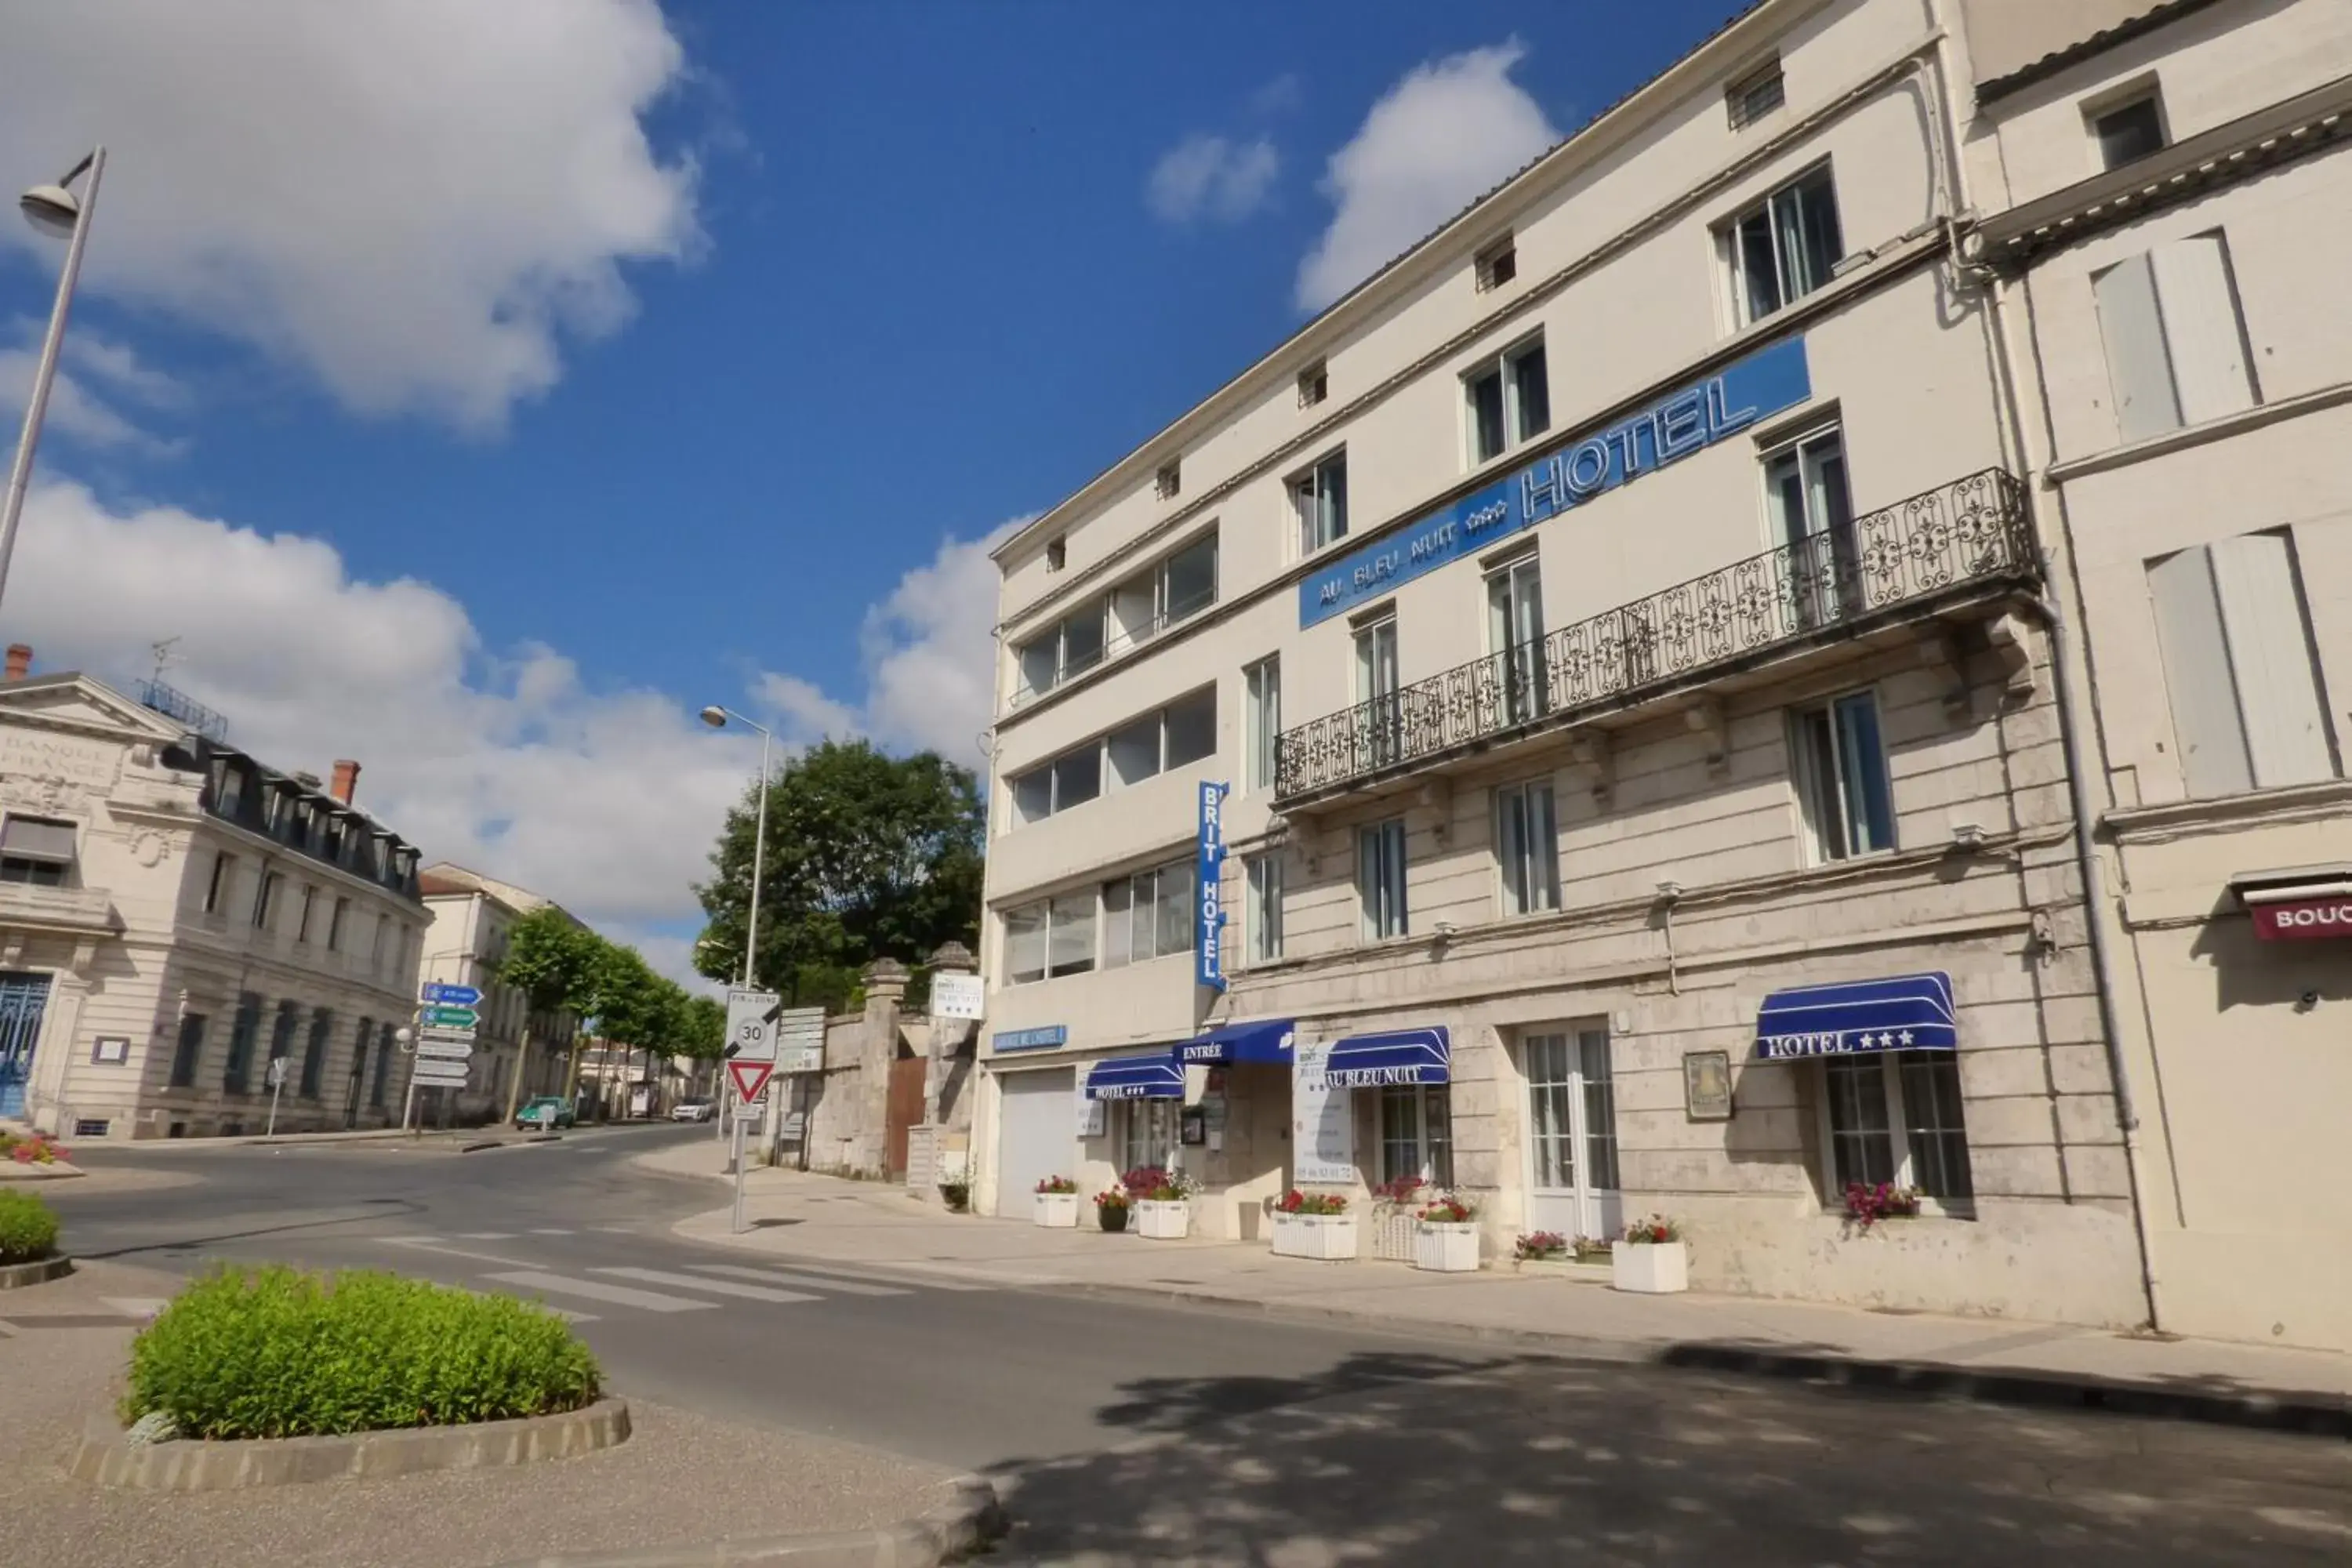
column 1208, row 910
column 1030, row 1040
column 1687, row 421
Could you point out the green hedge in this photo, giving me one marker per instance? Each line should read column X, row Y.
column 29, row 1228
column 276, row 1352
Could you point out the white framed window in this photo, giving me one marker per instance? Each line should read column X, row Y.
column 1572, row 1183
column 1526, row 848
column 1381, row 879
column 217, row 890
column 1784, row 246
column 2126, row 131
column 1416, row 1133
column 1314, row 385
column 2175, row 338
column 1049, row 937
column 1182, row 732
column 1262, row 689
column 1377, row 686
column 1812, row 508
column 1498, row 264
column 265, row 894
column 1069, row 647
column 2234, row 630
column 1146, row 1132
column 1262, row 915
column 1895, row 1117
column 36, row 850
column 1515, row 630
column 1174, row 589
column 1755, row 95
column 1148, row 914
column 1319, row 500
column 1505, row 400
column 302, row 921
column 1843, row 789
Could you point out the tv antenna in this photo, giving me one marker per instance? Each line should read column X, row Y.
column 164, row 658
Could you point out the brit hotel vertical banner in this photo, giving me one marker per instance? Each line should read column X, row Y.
column 1208, row 899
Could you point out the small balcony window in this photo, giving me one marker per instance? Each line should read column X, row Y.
column 1320, row 496
column 1785, row 246
column 35, row 850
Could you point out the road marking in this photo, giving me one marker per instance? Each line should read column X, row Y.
column 784, row 1276
column 136, row 1305
column 651, row 1301
column 716, row 1287
column 435, row 1244
column 613, row 1229
column 486, row 1235
column 914, row 1277
column 551, row 1230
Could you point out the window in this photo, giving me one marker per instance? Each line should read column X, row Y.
column 1515, row 636
column 229, row 789
column 217, row 890
column 1812, row 520
column 1314, row 385
column 2239, row 665
column 1571, row 1131
column 36, row 849
column 1498, row 264
column 1755, row 95
column 1320, row 496
column 1841, row 775
column 1068, row 648
column 2128, row 132
column 384, row 1042
column 1146, row 1132
column 303, row 921
column 1058, row 555
column 335, row 925
column 1051, row 937
column 1176, row 589
column 1262, row 687
column 375, row 946
column 1169, row 482
column 1380, row 878
column 314, row 1052
column 2176, row 341
column 264, row 893
column 242, row 1032
column 1895, row 1117
column 187, row 1050
column 1263, row 915
column 1184, row 732
column 1147, row 915
column 281, row 1034
column 1416, row 1133
column 1376, row 688
column 1784, row 248
column 1506, row 400
column 1527, row 847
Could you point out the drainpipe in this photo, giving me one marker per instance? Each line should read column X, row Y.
column 2011, row 426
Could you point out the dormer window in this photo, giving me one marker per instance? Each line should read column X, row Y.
column 2129, row 130
column 1498, row 264
column 1314, row 385
column 1169, row 482
column 1755, row 95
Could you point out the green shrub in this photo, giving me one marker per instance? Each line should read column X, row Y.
column 28, row 1228
column 276, row 1352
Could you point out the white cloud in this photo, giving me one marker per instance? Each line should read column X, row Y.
column 416, row 201
column 606, row 801
column 95, row 378
column 1212, row 176
column 1450, row 130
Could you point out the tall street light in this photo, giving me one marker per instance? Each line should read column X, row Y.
column 717, row 717
column 52, row 209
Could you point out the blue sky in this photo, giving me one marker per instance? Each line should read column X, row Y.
column 610, row 360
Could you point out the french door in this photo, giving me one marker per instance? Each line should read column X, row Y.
column 23, row 998
column 1376, row 690
column 1515, row 634
column 1571, row 1134
column 1813, row 515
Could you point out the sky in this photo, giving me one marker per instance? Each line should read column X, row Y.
column 478, row 391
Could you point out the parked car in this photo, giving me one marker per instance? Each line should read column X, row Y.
column 694, row 1108
column 545, row 1111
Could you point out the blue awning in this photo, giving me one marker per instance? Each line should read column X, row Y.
column 1903, row 1013
column 1397, row 1057
column 1266, row 1040
column 1154, row 1077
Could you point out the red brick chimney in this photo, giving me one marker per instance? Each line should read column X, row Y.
column 20, row 660
column 347, row 779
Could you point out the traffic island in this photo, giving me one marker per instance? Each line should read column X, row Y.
column 38, row 1271
column 28, row 1242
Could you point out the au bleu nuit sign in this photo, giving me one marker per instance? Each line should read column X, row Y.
column 1757, row 387
column 1208, row 909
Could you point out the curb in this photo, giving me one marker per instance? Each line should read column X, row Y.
column 53, row 1170
column 107, row 1456
column 39, row 1271
column 968, row 1519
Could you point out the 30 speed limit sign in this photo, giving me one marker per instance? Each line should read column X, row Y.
column 751, row 1026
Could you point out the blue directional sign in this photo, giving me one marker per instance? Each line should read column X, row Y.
column 451, row 995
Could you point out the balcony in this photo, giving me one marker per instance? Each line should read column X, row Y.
column 1967, row 539
column 79, row 911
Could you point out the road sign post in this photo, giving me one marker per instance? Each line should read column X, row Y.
column 277, row 1087
column 751, row 1081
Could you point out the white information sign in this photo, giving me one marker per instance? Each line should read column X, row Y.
column 751, row 1026
column 1094, row 1118
column 1323, row 1132
column 430, row 1073
column 957, row 996
column 446, row 1050
column 798, row 1039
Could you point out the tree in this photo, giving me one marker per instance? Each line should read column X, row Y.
column 552, row 960
column 868, row 856
column 640, row 1010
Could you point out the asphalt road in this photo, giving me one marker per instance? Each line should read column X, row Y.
column 1130, row 1432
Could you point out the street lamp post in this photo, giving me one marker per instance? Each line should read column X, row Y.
column 716, row 717
column 53, row 209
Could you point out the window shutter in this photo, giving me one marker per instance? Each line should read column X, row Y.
column 2137, row 368
column 2205, row 724
column 2201, row 332
column 2269, row 654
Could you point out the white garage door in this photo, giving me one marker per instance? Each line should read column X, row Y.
column 1037, row 1135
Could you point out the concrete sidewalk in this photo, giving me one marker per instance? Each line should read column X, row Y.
column 820, row 1219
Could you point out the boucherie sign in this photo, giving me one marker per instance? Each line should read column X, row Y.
column 2298, row 919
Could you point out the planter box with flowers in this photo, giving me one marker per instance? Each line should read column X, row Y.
column 1652, row 1260
column 1394, row 1218
column 1163, row 1210
column 1867, row 1205
column 33, row 1157
column 1444, row 1241
column 1110, row 1210
column 1057, row 1204
column 1548, row 1253
column 1316, row 1226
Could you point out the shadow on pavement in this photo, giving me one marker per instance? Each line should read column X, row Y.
column 1405, row 1459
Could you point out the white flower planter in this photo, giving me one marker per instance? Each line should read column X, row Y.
column 1324, row 1237
column 1057, row 1211
column 1445, row 1248
column 1651, row 1268
column 1392, row 1235
column 1162, row 1221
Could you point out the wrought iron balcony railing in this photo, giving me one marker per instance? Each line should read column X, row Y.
column 1970, row 533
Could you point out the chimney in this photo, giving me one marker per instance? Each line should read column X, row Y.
column 20, row 660
column 347, row 779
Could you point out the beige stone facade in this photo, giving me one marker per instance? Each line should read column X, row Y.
column 174, row 917
column 471, row 916
column 1747, row 688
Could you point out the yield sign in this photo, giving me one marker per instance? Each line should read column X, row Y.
column 750, row 1078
